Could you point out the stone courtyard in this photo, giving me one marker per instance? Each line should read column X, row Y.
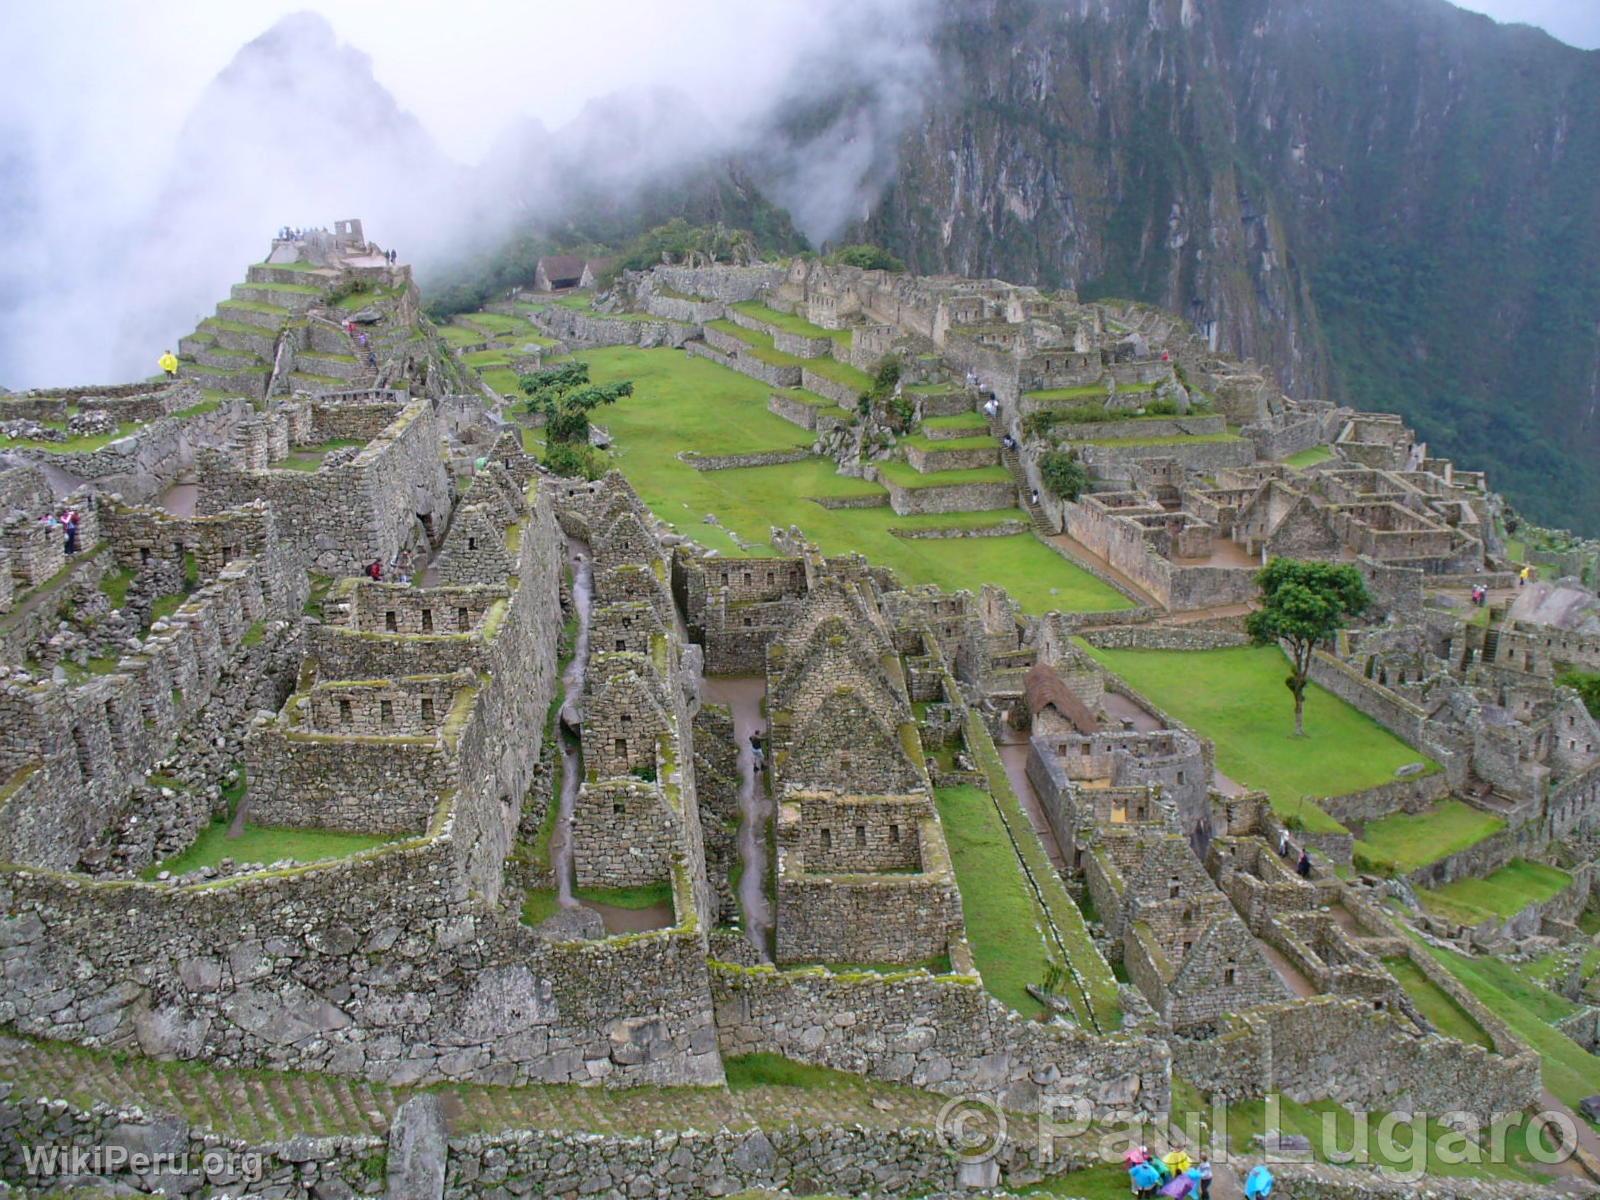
column 565, row 825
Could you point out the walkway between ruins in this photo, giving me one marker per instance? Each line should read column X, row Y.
column 1070, row 547
column 1014, row 756
column 570, row 719
column 744, row 696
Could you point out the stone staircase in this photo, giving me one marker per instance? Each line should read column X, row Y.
column 1013, row 463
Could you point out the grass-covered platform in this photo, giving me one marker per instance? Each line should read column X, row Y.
column 682, row 404
column 1236, row 697
column 1407, row 841
column 1502, row 894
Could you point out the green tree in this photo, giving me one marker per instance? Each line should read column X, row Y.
column 1302, row 605
column 564, row 396
column 867, row 257
column 1587, row 684
column 1062, row 474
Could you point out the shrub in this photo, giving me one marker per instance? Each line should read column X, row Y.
column 1063, row 475
column 1587, row 684
column 573, row 459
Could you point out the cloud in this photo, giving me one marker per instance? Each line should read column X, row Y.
column 144, row 164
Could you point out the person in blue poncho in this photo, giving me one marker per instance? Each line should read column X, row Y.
column 1258, row 1184
column 1145, row 1179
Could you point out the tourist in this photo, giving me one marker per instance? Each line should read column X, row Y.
column 1145, row 1179
column 1033, row 497
column 375, row 570
column 372, row 361
column 1258, row 1183
column 990, row 408
column 1283, row 843
column 70, row 522
column 168, row 362
column 1303, row 867
column 1008, row 442
column 1203, row 1174
column 1179, row 1186
column 1524, row 575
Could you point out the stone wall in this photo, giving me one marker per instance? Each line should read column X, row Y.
column 942, row 1033
column 338, row 519
column 730, row 285
column 1343, row 1050
column 596, row 329
column 1411, row 795
column 950, row 497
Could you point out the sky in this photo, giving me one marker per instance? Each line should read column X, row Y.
column 93, row 94
column 1576, row 22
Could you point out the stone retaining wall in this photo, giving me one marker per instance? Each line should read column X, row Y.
column 945, row 1034
column 950, row 497
column 939, row 459
column 841, row 394
column 1411, row 795
column 766, row 458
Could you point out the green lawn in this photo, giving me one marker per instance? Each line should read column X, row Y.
column 1309, row 458
column 789, row 323
column 1093, row 980
column 1502, row 894
column 73, row 445
column 1236, row 697
column 966, row 420
column 758, row 343
column 462, row 335
column 1410, row 1145
column 261, row 844
column 682, row 404
column 979, row 441
column 1004, row 923
column 1570, row 1071
column 309, row 458
column 839, row 372
column 1406, row 841
column 1442, row 1012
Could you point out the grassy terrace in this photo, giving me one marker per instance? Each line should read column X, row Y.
column 1309, row 458
column 73, row 445
column 1403, row 842
column 684, row 404
column 1093, row 982
column 800, row 395
column 309, row 458
column 1502, row 894
column 904, row 475
column 1435, row 1004
column 1004, row 923
column 1236, row 697
column 1176, row 439
column 839, row 372
column 967, row 420
column 759, row 344
column 981, row 441
column 1088, row 391
column 1570, row 1071
column 789, row 323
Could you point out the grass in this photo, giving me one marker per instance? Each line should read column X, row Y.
column 1570, row 1071
column 309, row 458
column 1098, row 984
column 645, row 896
column 264, row 844
column 758, row 344
column 86, row 444
column 1406, row 841
column 1236, row 697
column 1309, row 458
column 165, row 606
column 1502, row 894
column 746, row 1071
column 981, row 441
column 1176, row 439
column 966, row 420
column 1429, row 1145
column 539, row 905
column 115, row 585
column 789, row 323
column 839, row 372
column 690, row 404
column 1004, row 922
column 1436, row 1005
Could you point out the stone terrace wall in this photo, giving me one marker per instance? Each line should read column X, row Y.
column 595, row 329
column 945, row 1034
column 145, row 463
column 1343, row 1050
column 337, row 519
column 94, row 741
column 730, row 285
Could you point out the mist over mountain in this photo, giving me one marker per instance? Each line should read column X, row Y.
column 1391, row 202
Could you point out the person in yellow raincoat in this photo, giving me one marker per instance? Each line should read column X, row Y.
column 1178, row 1161
column 168, row 362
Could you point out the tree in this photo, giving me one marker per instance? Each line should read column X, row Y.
column 867, row 257
column 1302, row 605
column 1062, row 474
column 565, row 398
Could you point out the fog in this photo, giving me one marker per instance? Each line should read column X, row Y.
column 148, row 152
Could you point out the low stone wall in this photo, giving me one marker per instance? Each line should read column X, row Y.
column 801, row 346
column 682, row 310
column 950, row 497
column 1205, row 458
column 841, row 394
column 797, row 412
column 945, row 1034
column 1162, row 637
column 595, row 329
column 938, row 459
column 1390, row 709
column 1411, row 795
column 727, row 462
column 868, row 500
column 730, row 285
column 918, row 532
column 1313, row 1181
column 1342, row 1050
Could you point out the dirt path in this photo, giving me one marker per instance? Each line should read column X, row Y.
column 743, row 695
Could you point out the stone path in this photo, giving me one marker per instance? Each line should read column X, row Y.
column 1014, row 756
column 743, row 696
column 1287, row 971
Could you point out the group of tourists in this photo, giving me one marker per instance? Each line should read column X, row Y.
column 1302, row 864
column 67, row 521
column 1177, row 1175
column 1480, row 595
column 399, row 570
column 1173, row 1174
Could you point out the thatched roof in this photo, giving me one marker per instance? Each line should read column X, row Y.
column 1045, row 689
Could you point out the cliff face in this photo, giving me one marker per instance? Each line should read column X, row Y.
column 1387, row 201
